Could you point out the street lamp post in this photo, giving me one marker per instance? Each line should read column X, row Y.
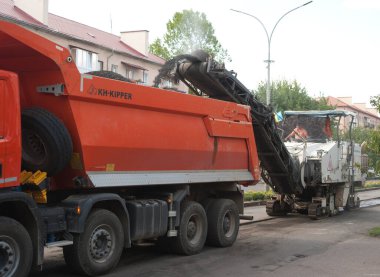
column 269, row 38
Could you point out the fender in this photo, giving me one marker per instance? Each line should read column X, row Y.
column 84, row 204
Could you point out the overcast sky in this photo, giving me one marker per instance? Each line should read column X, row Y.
column 332, row 47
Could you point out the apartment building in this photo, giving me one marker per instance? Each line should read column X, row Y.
column 92, row 49
column 365, row 117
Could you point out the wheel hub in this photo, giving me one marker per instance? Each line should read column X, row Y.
column 194, row 229
column 191, row 229
column 100, row 244
column 226, row 223
column 9, row 256
column 33, row 147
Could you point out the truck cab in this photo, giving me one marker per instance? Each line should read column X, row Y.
column 10, row 130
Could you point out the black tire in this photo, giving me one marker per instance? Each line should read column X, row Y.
column 223, row 223
column 46, row 143
column 192, row 230
column 276, row 208
column 16, row 250
column 206, row 203
column 98, row 249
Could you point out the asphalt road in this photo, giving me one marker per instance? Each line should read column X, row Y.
column 289, row 246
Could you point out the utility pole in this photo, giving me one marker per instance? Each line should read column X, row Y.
column 269, row 39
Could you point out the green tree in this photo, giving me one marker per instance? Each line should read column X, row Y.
column 372, row 148
column 291, row 96
column 373, row 141
column 188, row 31
column 375, row 101
column 370, row 140
column 359, row 135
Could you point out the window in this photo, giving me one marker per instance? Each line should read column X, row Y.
column 85, row 60
column 114, row 68
column 368, row 123
column 167, row 84
column 100, row 65
column 130, row 73
column 145, row 77
column 355, row 122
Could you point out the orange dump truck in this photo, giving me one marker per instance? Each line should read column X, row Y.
column 94, row 165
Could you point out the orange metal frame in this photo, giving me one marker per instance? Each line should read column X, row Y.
column 123, row 127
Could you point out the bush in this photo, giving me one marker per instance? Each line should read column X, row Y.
column 257, row 195
column 372, row 184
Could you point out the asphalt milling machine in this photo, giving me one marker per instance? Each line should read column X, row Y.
column 314, row 172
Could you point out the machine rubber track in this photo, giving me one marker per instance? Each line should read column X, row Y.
column 207, row 77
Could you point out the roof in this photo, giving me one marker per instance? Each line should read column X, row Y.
column 63, row 26
column 134, row 65
column 320, row 113
column 8, row 9
column 339, row 103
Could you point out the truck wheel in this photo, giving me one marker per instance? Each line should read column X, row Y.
column 192, row 229
column 223, row 223
column 16, row 252
column 98, row 249
column 207, row 203
column 46, row 143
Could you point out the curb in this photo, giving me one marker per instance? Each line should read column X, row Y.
column 263, row 202
column 361, row 190
column 256, row 221
column 255, row 203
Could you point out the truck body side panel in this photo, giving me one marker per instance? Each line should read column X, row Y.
column 131, row 139
column 153, row 130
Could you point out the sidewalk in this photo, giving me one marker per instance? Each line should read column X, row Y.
column 369, row 194
column 258, row 212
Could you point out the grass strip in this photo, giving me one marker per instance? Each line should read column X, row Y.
column 374, row 232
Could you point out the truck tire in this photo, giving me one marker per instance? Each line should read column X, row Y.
column 192, row 231
column 207, row 203
column 223, row 223
column 46, row 143
column 16, row 250
column 98, row 249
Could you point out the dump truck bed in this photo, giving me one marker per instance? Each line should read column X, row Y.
column 125, row 134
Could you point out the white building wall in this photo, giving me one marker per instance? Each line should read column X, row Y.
column 110, row 58
column 38, row 9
